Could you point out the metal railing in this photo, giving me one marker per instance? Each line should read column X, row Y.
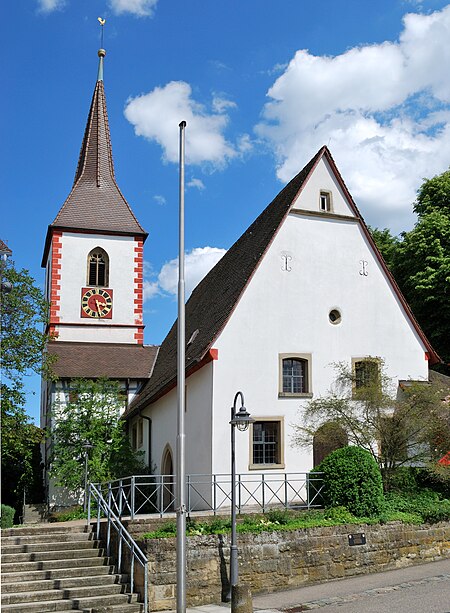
column 155, row 494
column 124, row 539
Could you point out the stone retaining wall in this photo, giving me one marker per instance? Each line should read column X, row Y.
column 281, row 560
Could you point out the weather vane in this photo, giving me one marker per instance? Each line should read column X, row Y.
column 102, row 23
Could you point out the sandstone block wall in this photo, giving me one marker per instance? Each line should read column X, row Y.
column 281, row 560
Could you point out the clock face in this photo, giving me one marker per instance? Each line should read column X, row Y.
column 96, row 302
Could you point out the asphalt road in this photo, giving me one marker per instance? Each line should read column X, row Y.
column 419, row 589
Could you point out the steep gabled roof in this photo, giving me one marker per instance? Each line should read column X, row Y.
column 95, row 203
column 214, row 299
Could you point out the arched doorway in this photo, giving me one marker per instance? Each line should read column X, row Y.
column 168, row 478
column 329, row 437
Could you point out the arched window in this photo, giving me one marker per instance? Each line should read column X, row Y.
column 98, row 268
column 295, row 376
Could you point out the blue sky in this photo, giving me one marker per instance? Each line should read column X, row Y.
column 262, row 85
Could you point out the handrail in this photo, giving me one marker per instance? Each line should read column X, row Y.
column 124, row 537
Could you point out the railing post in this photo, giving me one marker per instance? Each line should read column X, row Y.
column 120, row 498
column 188, row 493
column 263, row 494
column 119, row 549
column 161, row 495
column 214, row 493
column 239, row 494
column 108, row 532
column 133, row 493
column 89, row 507
column 132, row 569
column 307, row 490
column 98, row 519
column 285, row 491
column 146, row 608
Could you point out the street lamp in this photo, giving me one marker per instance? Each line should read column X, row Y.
column 86, row 446
column 240, row 420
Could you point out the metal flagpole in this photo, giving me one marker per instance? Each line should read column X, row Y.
column 180, row 476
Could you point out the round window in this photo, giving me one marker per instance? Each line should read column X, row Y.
column 335, row 316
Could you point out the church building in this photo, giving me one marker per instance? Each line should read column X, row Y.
column 302, row 289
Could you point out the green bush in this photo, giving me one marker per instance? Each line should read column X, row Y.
column 353, row 480
column 7, row 519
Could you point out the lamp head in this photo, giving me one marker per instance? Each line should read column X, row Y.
column 242, row 419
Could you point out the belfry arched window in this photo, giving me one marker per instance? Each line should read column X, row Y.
column 98, row 268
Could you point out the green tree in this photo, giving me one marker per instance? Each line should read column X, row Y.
column 434, row 195
column 420, row 262
column 387, row 245
column 90, row 413
column 396, row 429
column 23, row 318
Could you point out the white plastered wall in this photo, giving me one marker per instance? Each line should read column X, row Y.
column 75, row 249
column 287, row 311
column 198, row 424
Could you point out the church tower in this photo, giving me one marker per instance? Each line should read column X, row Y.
column 93, row 259
column 94, row 248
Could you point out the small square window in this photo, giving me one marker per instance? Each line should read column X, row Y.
column 325, row 201
column 366, row 374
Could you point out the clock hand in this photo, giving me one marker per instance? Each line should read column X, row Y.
column 98, row 303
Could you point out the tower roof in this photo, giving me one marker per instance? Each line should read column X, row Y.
column 95, row 203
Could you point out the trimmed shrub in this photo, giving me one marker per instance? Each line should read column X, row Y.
column 7, row 520
column 352, row 480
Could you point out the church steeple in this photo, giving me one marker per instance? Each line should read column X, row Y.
column 96, row 202
column 94, row 249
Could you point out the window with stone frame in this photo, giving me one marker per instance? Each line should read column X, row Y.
column 266, row 443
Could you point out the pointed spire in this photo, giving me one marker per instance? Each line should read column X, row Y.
column 96, row 202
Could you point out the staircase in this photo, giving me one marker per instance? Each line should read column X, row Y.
column 60, row 568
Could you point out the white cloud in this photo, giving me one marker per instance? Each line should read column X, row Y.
column 197, row 183
column 159, row 199
column 221, row 104
column 140, row 8
column 47, row 6
column 383, row 109
column 198, row 263
column 156, row 116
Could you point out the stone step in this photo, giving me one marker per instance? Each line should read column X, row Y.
column 12, row 567
column 24, row 597
column 75, row 593
column 99, row 602
column 54, row 529
column 57, row 606
column 46, row 538
column 25, row 585
column 62, row 573
column 133, row 607
column 37, row 547
column 43, row 556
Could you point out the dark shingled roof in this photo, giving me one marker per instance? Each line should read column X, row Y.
column 95, row 360
column 96, row 203
column 216, row 296
column 4, row 249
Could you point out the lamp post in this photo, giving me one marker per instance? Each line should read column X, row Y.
column 86, row 446
column 240, row 420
